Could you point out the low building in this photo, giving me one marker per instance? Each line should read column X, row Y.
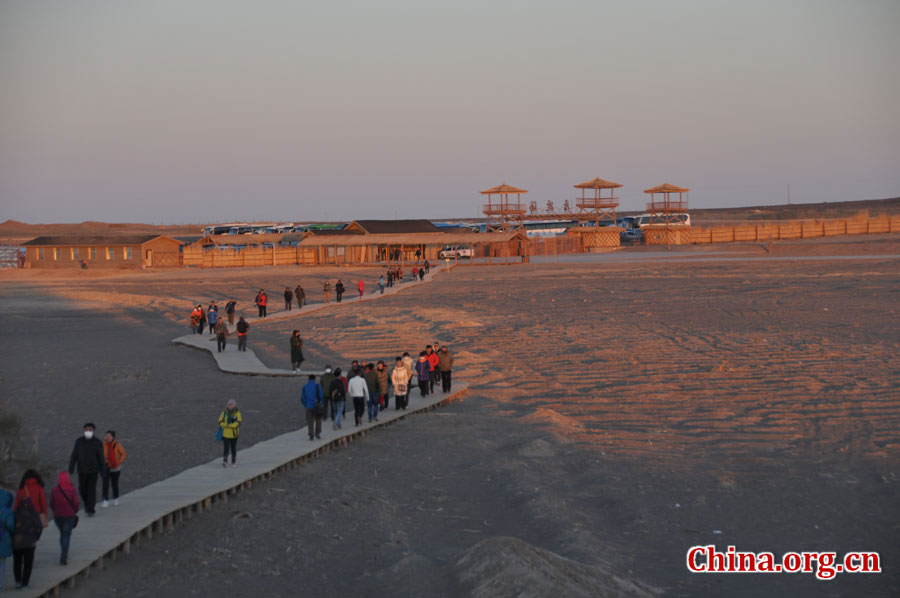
column 128, row 251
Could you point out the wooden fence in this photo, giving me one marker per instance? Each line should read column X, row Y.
column 773, row 231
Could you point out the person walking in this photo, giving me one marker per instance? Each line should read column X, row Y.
column 114, row 454
column 360, row 286
column 202, row 319
column 410, row 368
column 339, row 290
column 399, row 275
column 325, row 382
column 371, row 377
column 359, row 391
column 337, row 393
column 384, row 384
column 400, row 380
column 313, row 401
column 30, row 506
column 390, row 277
column 195, row 320
column 296, row 351
column 242, row 329
column 423, row 372
column 415, row 273
column 288, row 299
column 7, row 528
column 433, row 360
column 230, row 422
column 87, row 455
column 64, row 504
column 212, row 314
column 421, row 274
column 300, row 294
column 445, row 365
column 427, row 267
column 326, row 289
column 381, row 284
column 262, row 301
column 229, row 310
column 221, row 334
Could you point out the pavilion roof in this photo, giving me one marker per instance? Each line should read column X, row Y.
column 598, row 183
column 504, row 188
column 667, row 188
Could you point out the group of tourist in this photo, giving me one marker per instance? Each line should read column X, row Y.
column 369, row 387
column 24, row 517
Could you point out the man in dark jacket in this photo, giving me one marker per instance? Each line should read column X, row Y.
column 445, row 366
column 296, row 351
column 325, row 383
column 87, row 454
column 371, row 377
column 311, row 397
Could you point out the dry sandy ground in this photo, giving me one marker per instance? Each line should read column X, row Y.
column 620, row 412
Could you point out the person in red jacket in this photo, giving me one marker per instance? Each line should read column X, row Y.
column 64, row 503
column 261, row 302
column 32, row 488
column 114, row 455
column 434, row 360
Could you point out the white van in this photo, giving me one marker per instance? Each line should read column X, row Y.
column 680, row 219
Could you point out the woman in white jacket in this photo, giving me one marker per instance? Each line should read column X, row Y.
column 400, row 379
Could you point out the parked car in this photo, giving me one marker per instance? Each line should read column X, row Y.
column 455, row 251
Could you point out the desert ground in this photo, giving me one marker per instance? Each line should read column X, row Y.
column 622, row 408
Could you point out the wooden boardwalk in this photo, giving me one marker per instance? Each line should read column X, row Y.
column 161, row 506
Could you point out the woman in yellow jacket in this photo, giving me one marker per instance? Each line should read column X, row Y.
column 230, row 422
column 114, row 453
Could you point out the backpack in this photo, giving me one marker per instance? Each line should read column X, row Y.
column 28, row 525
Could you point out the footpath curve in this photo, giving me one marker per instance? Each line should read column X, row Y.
column 160, row 506
column 246, row 362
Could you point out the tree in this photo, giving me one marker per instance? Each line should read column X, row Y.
column 549, row 207
column 532, row 207
column 566, row 207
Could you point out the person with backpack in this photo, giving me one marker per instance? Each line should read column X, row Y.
column 230, row 422
column 87, row 454
column 337, row 394
column 242, row 329
column 7, row 528
column 288, row 299
column 30, row 508
column 229, row 310
column 325, row 383
column 296, row 352
column 400, row 380
column 114, row 454
column 64, row 504
column 313, row 401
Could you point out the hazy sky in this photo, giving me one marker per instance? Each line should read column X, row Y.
column 171, row 111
